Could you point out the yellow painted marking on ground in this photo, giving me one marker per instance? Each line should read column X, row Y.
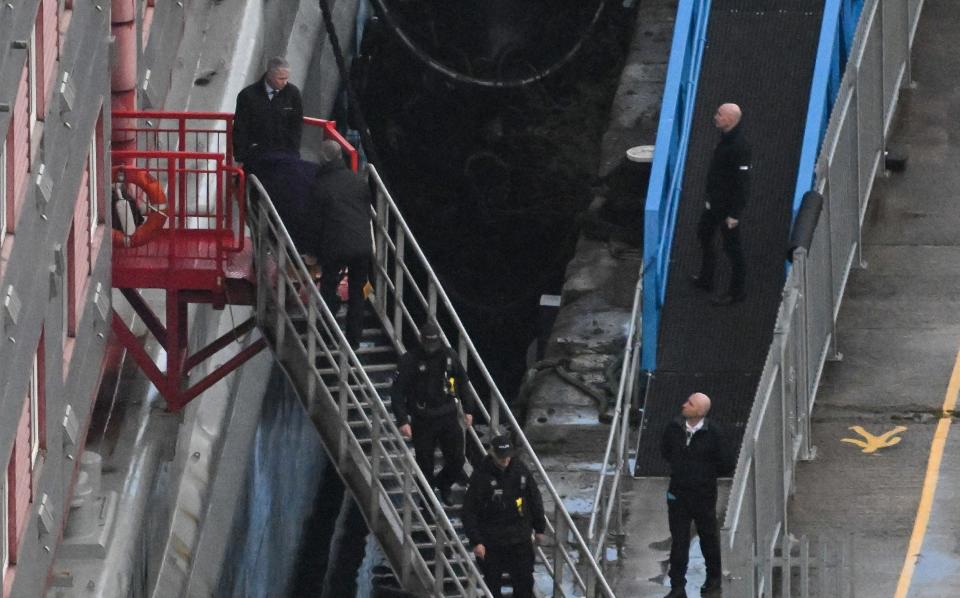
column 874, row 443
column 929, row 483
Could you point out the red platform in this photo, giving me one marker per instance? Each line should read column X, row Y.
column 183, row 172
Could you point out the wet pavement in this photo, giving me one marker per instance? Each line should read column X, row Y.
column 898, row 332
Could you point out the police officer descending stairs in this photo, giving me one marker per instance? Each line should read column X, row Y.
column 365, row 424
column 427, row 403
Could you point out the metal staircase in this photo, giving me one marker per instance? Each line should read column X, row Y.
column 201, row 254
column 346, row 394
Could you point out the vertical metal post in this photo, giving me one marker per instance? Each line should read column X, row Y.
column 560, row 532
column 807, row 451
column 767, row 572
column 398, row 278
column 440, row 543
column 382, row 257
column 262, row 252
column 822, row 567
column 805, row 567
column 312, row 347
column 833, row 354
column 280, row 325
column 407, row 525
column 343, row 382
column 787, row 566
column 173, row 348
column 376, row 454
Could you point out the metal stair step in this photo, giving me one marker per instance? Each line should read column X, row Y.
column 370, row 369
column 370, row 350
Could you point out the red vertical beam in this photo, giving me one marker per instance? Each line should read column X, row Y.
column 175, row 329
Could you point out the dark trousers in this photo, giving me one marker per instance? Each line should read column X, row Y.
column 359, row 273
column 445, row 432
column 710, row 220
column 702, row 511
column 516, row 560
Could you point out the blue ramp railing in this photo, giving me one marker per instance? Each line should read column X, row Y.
column 840, row 18
column 669, row 158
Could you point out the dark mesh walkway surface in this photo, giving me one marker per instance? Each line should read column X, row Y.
column 760, row 54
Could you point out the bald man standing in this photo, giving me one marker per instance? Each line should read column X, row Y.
column 728, row 185
column 698, row 453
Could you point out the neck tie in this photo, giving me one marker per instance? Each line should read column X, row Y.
column 689, row 436
column 270, row 94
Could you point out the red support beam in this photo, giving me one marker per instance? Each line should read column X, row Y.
column 218, row 344
column 132, row 344
column 213, row 377
column 143, row 310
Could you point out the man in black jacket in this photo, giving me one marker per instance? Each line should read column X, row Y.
column 428, row 400
column 343, row 201
column 502, row 512
column 698, row 453
column 268, row 117
column 728, row 185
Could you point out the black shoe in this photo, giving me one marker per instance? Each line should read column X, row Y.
column 701, row 283
column 714, row 584
column 727, row 300
column 676, row 593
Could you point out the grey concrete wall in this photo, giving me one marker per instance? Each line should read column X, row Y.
column 285, row 465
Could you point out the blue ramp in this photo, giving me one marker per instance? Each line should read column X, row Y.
column 759, row 54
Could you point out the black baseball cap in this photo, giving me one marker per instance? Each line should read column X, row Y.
column 502, row 446
column 430, row 336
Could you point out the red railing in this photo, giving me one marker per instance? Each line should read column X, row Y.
column 204, row 204
column 191, row 155
column 202, row 132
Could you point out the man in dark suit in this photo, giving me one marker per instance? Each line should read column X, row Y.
column 268, row 118
column 728, row 185
column 698, row 452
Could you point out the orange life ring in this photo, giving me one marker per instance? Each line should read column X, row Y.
column 157, row 202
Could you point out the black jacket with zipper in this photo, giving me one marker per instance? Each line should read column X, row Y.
column 422, row 388
column 492, row 515
column 694, row 468
column 728, row 179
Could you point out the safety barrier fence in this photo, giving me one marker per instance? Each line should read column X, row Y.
column 608, row 499
column 407, row 292
column 777, row 432
column 810, row 568
column 669, row 158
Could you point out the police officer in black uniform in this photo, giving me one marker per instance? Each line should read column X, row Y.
column 698, row 452
column 502, row 513
column 428, row 402
column 728, row 185
column 268, row 118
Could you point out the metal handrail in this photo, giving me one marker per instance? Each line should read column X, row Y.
column 393, row 238
column 608, row 496
column 281, row 271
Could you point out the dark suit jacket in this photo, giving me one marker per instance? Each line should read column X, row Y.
column 262, row 125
